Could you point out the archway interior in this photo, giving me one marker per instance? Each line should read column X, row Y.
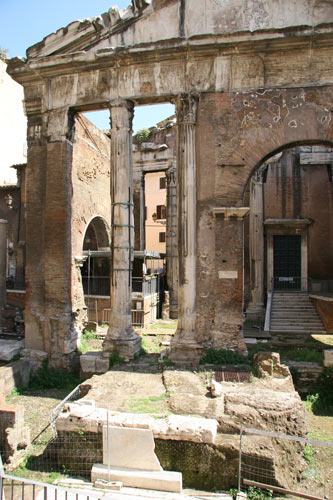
column 288, row 241
column 96, row 268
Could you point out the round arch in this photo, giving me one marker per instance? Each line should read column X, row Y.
column 97, row 234
column 281, row 149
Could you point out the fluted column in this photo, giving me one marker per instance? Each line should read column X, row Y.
column 171, row 241
column 256, row 306
column 184, row 348
column 121, row 336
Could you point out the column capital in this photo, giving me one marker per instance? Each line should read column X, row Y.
column 60, row 125
column 121, row 114
column 186, row 108
column 171, row 174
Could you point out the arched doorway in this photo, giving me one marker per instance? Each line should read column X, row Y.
column 96, row 268
column 290, row 247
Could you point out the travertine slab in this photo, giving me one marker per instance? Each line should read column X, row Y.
column 152, row 480
column 130, row 448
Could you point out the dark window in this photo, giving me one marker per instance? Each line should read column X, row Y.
column 162, row 182
column 160, row 212
column 161, row 237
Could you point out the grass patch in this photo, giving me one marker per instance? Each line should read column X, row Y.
column 152, row 404
column 162, row 326
column 303, row 354
column 151, row 344
column 223, row 357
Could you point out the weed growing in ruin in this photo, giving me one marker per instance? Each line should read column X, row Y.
column 304, row 354
column 320, row 401
column 308, row 454
column 50, row 378
column 83, row 347
column 223, row 357
column 115, row 359
column 254, row 493
column 90, row 335
column 233, row 493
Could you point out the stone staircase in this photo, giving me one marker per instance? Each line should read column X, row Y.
column 294, row 313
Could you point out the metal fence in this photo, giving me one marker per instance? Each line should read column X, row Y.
column 296, row 470
column 100, row 285
column 267, row 460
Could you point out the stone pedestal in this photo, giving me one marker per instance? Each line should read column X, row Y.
column 184, row 347
column 121, row 336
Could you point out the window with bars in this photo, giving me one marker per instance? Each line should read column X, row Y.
column 161, row 237
column 162, row 182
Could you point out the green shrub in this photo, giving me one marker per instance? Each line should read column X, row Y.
column 83, row 347
column 320, row 399
column 50, row 378
column 222, row 357
column 90, row 335
column 254, row 493
column 143, row 135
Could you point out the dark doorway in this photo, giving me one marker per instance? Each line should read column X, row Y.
column 287, row 261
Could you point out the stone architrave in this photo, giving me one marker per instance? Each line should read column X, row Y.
column 171, row 241
column 3, row 261
column 121, row 336
column 184, row 348
column 256, row 306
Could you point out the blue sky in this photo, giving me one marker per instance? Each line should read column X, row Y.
column 24, row 23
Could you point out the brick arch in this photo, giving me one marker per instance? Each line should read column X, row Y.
column 100, row 229
column 251, row 126
column 285, row 147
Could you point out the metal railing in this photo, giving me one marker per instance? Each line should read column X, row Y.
column 100, row 285
column 289, row 283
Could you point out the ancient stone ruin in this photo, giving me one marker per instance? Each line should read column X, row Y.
column 247, row 80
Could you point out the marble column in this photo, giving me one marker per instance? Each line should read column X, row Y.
column 121, row 336
column 3, row 263
column 256, row 307
column 171, row 241
column 184, row 348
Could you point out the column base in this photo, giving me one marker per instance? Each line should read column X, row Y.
column 185, row 352
column 126, row 342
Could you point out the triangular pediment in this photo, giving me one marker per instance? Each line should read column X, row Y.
column 147, row 22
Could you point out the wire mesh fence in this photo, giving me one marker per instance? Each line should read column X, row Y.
column 286, row 464
column 267, row 460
